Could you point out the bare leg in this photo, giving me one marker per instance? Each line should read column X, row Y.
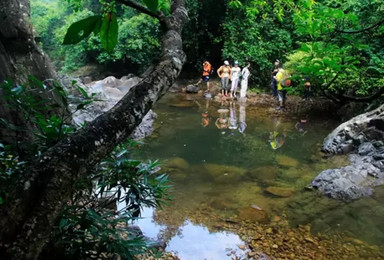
column 207, row 85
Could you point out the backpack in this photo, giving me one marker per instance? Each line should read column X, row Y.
column 286, row 81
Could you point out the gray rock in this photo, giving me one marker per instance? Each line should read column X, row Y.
column 343, row 184
column 127, row 84
column 111, row 82
column 146, row 126
column 351, row 182
column 192, row 89
column 366, row 149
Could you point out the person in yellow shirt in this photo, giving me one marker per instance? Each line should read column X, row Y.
column 224, row 73
column 281, row 92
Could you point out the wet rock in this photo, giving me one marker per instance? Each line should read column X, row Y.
column 287, row 161
column 283, row 192
column 252, row 214
column 192, row 89
column 347, row 183
column 264, row 173
column 177, row 162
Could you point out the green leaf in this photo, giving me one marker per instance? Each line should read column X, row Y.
column 152, row 4
column 109, row 32
column 81, row 29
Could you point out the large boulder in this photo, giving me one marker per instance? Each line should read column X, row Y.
column 351, row 182
column 363, row 135
column 364, row 127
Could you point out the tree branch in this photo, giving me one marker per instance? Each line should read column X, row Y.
column 142, row 9
column 27, row 218
column 362, row 30
column 365, row 99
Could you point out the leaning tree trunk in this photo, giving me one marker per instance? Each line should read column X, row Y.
column 20, row 56
column 27, row 219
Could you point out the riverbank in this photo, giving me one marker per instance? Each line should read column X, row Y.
column 295, row 105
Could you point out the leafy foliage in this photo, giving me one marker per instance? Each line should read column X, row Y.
column 132, row 39
column 87, row 228
column 81, row 29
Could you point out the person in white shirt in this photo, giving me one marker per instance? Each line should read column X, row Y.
column 244, row 80
column 235, row 73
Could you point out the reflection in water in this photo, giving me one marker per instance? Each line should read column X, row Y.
column 196, row 243
column 192, row 241
column 242, row 116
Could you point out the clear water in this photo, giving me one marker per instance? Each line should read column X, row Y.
column 225, row 171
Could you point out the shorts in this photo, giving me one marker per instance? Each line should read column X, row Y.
column 224, row 83
column 282, row 95
column 205, row 78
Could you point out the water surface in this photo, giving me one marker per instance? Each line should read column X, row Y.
column 229, row 158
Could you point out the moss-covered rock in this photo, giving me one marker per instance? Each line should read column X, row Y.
column 283, row 192
column 264, row 173
column 286, row 161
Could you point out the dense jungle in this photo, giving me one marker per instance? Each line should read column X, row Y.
column 191, row 129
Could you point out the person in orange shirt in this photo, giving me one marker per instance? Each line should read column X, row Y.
column 207, row 68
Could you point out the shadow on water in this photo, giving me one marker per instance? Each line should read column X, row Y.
column 227, row 158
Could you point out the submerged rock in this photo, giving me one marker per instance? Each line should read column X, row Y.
column 264, row 173
column 287, row 161
column 253, row 214
column 177, row 162
column 283, row 192
column 224, row 173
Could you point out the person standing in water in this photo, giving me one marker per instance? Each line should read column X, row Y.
column 244, row 80
column 224, row 73
column 235, row 74
column 207, row 68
